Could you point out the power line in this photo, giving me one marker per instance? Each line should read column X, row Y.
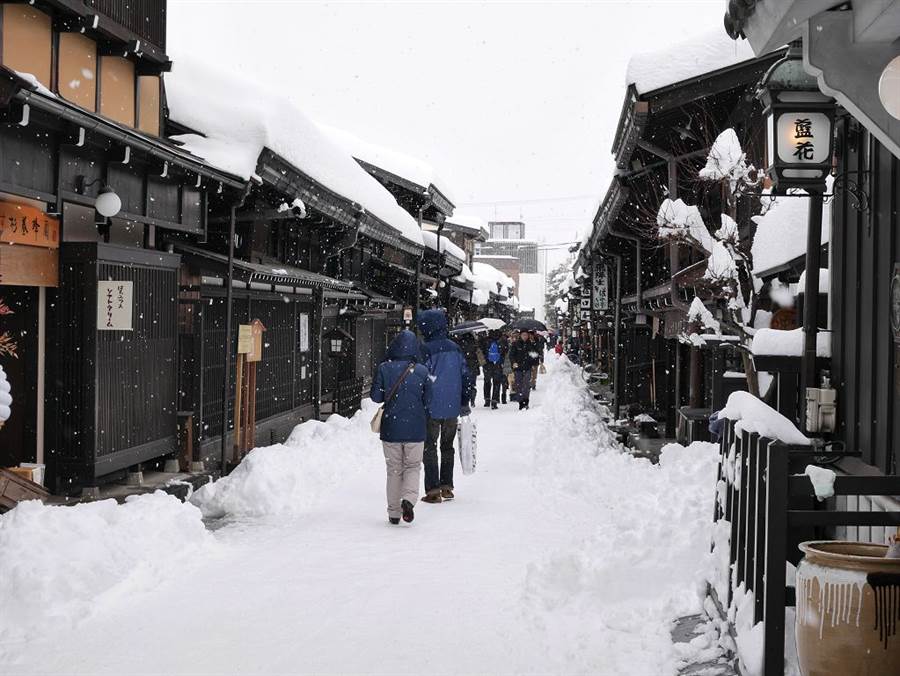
column 534, row 200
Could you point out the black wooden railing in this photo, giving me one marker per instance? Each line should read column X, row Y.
column 772, row 507
column 349, row 396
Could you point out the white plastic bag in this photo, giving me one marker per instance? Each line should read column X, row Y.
column 466, row 441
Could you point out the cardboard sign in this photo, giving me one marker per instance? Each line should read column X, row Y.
column 22, row 224
column 115, row 303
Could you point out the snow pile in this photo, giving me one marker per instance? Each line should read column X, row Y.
column 822, row 480
column 431, row 241
column 399, row 164
column 756, row 416
column 290, row 477
column 62, row 563
column 699, row 312
column 693, row 58
column 824, row 281
column 781, row 343
column 677, row 220
column 236, row 119
column 781, row 231
column 646, row 535
column 727, row 161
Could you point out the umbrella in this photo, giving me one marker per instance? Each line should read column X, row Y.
column 492, row 323
column 527, row 324
column 467, row 327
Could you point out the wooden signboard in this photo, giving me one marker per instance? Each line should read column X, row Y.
column 28, row 266
column 23, row 224
column 250, row 348
column 256, row 344
column 245, row 338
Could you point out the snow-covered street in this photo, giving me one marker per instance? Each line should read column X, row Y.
column 560, row 555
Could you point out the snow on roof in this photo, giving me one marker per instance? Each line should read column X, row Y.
column 405, row 166
column 781, row 232
column 431, row 241
column 511, row 240
column 468, row 222
column 685, row 60
column 481, row 296
column 756, row 416
column 488, row 277
column 466, row 274
column 824, row 281
column 238, row 119
column 561, row 305
column 505, row 257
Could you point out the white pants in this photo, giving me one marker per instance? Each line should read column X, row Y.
column 404, row 465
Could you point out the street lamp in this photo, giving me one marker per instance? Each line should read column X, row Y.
column 801, row 145
column 800, row 122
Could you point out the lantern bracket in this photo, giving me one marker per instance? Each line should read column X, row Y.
column 855, row 189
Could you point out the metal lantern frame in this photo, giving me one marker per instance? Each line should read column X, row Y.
column 788, row 91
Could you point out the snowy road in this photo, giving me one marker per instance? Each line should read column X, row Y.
column 557, row 557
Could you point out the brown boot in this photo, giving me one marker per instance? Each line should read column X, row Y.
column 446, row 493
column 433, row 496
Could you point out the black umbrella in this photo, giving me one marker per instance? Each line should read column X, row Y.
column 527, row 324
column 468, row 327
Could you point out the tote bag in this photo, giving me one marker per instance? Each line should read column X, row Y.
column 467, row 442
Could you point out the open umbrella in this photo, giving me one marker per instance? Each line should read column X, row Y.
column 527, row 324
column 468, row 327
column 492, row 323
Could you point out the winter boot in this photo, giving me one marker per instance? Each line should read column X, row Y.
column 433, row 496
column 503, row 399
column 394, row 520
column 407, row 508
column 487, row 403
column 447, row 493
column 494, row 405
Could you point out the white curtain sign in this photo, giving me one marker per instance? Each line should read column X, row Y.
column 601, row 287
column 115, row 300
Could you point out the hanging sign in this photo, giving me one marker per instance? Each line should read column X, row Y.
column 22, row 224
column 803, row 138
column 115, row 302
column 600, row 284
column 304, row 332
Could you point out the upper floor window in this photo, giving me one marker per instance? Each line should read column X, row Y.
column 148, row 104
column 28, row 41
column 117, row 89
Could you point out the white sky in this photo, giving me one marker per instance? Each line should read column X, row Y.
column 514, row 104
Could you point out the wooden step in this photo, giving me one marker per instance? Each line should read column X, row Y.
column 15, row 488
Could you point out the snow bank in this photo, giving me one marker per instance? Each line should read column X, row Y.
column 756, row 416
column 431, row 241
column 238, row 118
column 685, row 60
column 781, row 343
column 646, row 526
column 62, row 563
column 399, row 164
column 290, row 477
column 781, row 231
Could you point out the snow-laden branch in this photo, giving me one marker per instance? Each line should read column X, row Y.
column 727, row 161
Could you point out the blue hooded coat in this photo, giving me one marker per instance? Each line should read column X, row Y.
column 406, row 413
column 446, row 364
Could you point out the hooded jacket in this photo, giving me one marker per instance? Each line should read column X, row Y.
column 406, row 413
column 446, row 364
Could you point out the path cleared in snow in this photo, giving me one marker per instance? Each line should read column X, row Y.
column 560, row 555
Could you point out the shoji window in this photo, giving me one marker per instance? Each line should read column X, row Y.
column 148, row 104
column 117, row 89
column 27, row 41
column 77, row 79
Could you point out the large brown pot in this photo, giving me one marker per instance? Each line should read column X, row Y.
column 848, row 610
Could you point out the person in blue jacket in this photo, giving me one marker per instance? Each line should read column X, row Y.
column 403, row 422
column 450, row 399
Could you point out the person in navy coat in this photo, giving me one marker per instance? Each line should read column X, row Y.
column 403, row 422
column 450, row 398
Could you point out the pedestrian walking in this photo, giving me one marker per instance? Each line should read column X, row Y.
column 450, row 399
column 472, row 352
column 524, row 357
column 405, row 388
column 540, row 346
column 508, row 380
column 494, row 351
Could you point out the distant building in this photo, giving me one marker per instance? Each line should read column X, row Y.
column 508, row 239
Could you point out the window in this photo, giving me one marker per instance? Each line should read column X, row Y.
column 27, row 41
column 77, row 70
column 148, row 104
column 117, row 89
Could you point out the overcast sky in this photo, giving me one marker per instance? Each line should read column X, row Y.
column 515, row 104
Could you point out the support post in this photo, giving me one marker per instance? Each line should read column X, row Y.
column 811, row 300
column 617, row 368
column 776, row 559
column 226, row 390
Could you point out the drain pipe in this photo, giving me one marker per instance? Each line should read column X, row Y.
column 229, row 298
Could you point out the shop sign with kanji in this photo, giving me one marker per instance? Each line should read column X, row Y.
column 115, row 300
column 23, row 224
column 803, row 138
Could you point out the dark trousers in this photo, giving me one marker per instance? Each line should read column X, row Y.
column 493, row 377
column 523, row 385
column 445, row 431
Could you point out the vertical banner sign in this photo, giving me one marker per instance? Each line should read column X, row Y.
column 600, row 283
column 115, row 301
column 585, row 310
column 304, row 332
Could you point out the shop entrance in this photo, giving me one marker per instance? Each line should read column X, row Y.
column 19, row 313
